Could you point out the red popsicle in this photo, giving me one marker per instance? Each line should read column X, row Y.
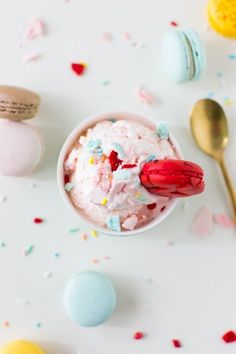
column 172, row 178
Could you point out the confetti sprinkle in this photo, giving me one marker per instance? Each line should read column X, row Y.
column 163, row 130
column 105, row 82
column 228, row 101
column 2, row 244
column 104, row 201
column 118, row 148
column 91, row 160
column 152, row 206
column 95, row 261
column 139, row 196
column 69, row 186
column 138, row 335
column 47, row 275
column 223, row 220
column 113, row 223
column 74, row 230
column 107, row 36
column 94, row 233
column 28, row 250
column 127, row 36
column 122, row 175
column 176, row 343
column 150, row 158
column 38, row 324
column 114, row 161
column 6, row 324
column 38, row 220
column 29, row 57
column 203, row 222
column 56, row 254
column 92, row 145
column 35, row 29
column 79, row 68
column 229, row 337
column 145, row 96
column 84, row 237
column 232, row 56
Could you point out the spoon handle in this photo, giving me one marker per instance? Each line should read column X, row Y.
column 229, row 185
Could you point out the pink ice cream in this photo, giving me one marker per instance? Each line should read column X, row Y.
column 102, row 173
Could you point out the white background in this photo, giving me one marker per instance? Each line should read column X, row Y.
column 193, row 289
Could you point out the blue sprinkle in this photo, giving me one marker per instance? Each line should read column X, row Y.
column 98, row 151
column 232, row 56
column 56, row 254
column 122, row 175
column 93, row 144
column 113, row 223
column 69, row 186
column 118, row 148
column 210, row 94
column 151, row 158
column 38, row 324
column 163, row 130
column 137, row 182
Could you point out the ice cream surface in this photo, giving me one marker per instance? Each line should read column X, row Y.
column 102, row 172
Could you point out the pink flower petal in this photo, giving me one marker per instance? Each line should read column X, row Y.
column 203, row 222
column 223, row 220
column 35, row 29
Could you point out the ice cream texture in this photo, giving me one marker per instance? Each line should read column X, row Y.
column 102, row 171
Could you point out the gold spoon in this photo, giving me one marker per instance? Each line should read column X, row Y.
column 210, row 131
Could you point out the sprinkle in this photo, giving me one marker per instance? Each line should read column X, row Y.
column 146, row 96
column 229, row 337
column 129, row 165
column 114, row 161
column 56, row 254
column 139, row 196
column 28, row 250
column 84, row 237
column 113, row 223
column 38, row 325
column 203, row 222
column 99, row 151
column 95, row 260
column 104, row 201
column 35, row 29
column 79, row 68
column 174, row 24
column 69, row 186
column 228, row 101
column 73, row 230
column 2, row 244
column 122, row 175
column 176, row 343
column 91, row 160
column 3, row 198
column 47, row 275
column 152, row 206
column 107, row 258
column 38, row 220
column 150, row 158
column 232, row 56
column 105, row 82
column 223, row 220
column 138, row 335
column 31, row 57
column 107, row 36
column 6, row 324
column 127, row 36
column 94, row 233
column 103, row 158
column 163, row 130
column 118, row 148
column 92, row 145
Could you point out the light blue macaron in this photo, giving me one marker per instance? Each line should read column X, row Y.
column 183, row 56
column 89, row 298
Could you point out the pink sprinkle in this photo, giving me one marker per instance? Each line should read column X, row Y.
column 127, row 36
column 35, row 29
column 176, row 343
column 138, row 335
column 107, row 258
column 223, row 220
column 6, row 324
column 107, row 36
column 95, row 261
column 203, row 222
column 31, row 57
column 145, row 96
column 38, row 220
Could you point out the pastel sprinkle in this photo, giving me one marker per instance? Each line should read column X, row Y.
column 122, row 175
column 113, row 223
column 69, row 186
column 145, row 96
column 73, row 230
column 2, row 244
column 91, row 160
column 210, row 94
column 150, row 158
column 84, row 237
column 95, row 260
column 6, row 324
column 94, row 233
column 56, row 254
column 28, row 250
column 163, row 130
column 104, row 201
column 232, row 56
column 38, row 220
column 35, row 29
column 38, row 325
column 118, row 148
column 99, row 151
column 228, row 101
column 107, row 36
column 223, row 220
column 105, row 82
column 93, row 144
column 139, row 196
column 176, row 343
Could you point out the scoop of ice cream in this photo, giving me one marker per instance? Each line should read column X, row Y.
column 102, row 173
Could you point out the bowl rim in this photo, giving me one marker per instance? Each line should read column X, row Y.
column 75, row 133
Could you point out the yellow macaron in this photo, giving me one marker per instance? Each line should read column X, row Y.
column 222, row 17
column 21, row 347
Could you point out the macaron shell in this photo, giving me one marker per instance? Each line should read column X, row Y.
column 89, row 298
column 222, row 17
column 21, row 148
column 21, row 347
column 17, row 103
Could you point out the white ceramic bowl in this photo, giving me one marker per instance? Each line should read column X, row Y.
column 79, row 130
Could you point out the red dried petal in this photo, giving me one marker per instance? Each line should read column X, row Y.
column 66, row 179
column 114, row 161
column 138, row 335
column 229, row 337
column 78, row 68
column 174, row 24
column 129, row 165
column 151, row 206
column 38, row 220
column 176, row 343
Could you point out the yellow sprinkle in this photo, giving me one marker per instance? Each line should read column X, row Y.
column 91, row 160
column 137, row 194
column 94, row 233
column 104, row 201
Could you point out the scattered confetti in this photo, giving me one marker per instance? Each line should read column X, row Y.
column 95, row 261
column 229, row 337
column 6, row 324
column 107, row 258
column 92, row 145
column 150, row 158
column 105, row 82
column 163, row 130
column 94, row 233
column 47, row 275
column 28, row 250
column 56, row 254
column 223, row 220
column 113, row 223
column 29, row 57
column 174, row 24
column 69, row 186
column 138, row 335
column 35, row 29
column 139, row 196
column 79, row 68
column 232, row 56
column 145, row 96
column 104, row 201
column 74, row 230
column 203, row 222
column 84, row 237
column 107, row 36
column 167, row 242
column 38, row 324
column 127, row 36
column 2, row 244
column 91, row 160
column 176, row 343
column 38, row 220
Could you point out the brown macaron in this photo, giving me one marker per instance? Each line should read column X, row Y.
column 17, row 103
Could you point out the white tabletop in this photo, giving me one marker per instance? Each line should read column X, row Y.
column 185, row 291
